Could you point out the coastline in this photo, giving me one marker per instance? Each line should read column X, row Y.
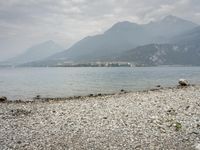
column 160, row 118
column 38, row 98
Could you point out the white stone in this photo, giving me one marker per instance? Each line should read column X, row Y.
column 197, row 146
column 183, row 82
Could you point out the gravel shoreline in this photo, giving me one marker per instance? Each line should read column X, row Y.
column 166, row 118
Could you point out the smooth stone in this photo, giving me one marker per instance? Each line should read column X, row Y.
column 3, row 99
column 91, row 95
column 122, row 90
column 38, row 97
column 183, row 82
column 197, row 146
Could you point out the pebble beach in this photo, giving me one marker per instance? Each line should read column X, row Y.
column 165, row 118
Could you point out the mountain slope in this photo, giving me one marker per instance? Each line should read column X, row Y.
column 169, row 27
column 183, row 50
column 191, row 37
column 123, row 36
column 35, row 53
column 162, row 54
column 119, row 38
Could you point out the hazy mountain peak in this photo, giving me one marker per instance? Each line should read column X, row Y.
column 170, row 19
column 169, row 27
column 48, row 43
column 123, row 26
column 124, row 23
column 37, row 52
column 123, row 36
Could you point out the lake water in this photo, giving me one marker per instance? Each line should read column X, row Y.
column 22, row 83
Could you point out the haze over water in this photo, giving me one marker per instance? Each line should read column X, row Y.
column 24, row 83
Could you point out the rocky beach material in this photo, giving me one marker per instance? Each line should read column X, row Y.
column 183, row 82
column 3, row 99
column 165, row 118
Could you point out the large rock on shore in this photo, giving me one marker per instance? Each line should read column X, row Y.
column 183, row 82
column 3, row 99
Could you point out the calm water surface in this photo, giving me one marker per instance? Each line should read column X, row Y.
column 22, row 83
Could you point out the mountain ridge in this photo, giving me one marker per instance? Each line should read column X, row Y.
column 121, row 37
column 162, row 54
column 125, row 36
column 36, row 52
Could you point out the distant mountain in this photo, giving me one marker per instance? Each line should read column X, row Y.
column 177, row 42
column 36, row 53
column 182, row 50
column 121, row 37
column 162, row 54
column 191, row 37
column 169, row 27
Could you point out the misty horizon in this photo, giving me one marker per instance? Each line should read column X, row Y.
column 25, row 24
column 68, row 46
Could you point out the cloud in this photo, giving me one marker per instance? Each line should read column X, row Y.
column 27, row 22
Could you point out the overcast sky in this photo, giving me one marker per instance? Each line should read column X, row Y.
column 26, row 22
